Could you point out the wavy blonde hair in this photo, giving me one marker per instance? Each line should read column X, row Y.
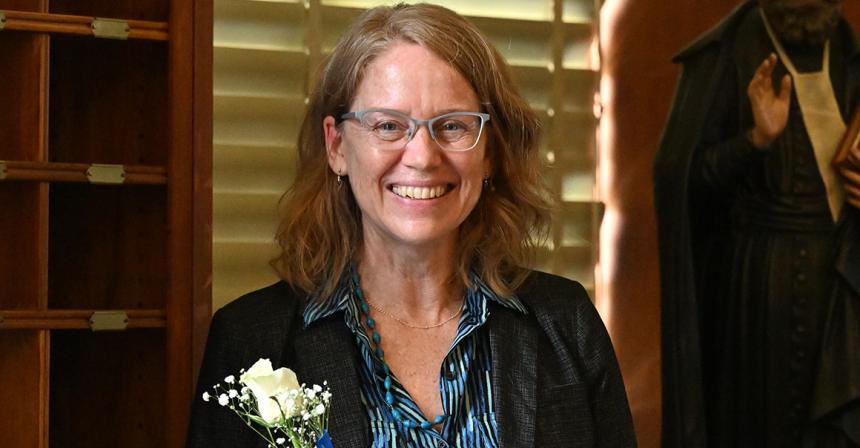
column 320, row 230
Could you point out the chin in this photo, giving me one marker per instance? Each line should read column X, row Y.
column 424, row 234
column 810, row 24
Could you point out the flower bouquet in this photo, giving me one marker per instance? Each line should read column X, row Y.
column 276, row 406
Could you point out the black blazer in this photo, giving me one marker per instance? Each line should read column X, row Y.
column 556, row 381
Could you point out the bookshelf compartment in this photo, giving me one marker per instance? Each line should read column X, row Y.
column 108, row 101
column 22, row 105
column 22, row 5
column 157, row 10
column 107, row 247
column 71, row 247
column 107, row 389
column 22, row 355
column 21, row 218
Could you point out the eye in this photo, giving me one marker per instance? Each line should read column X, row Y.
column 453, row 129
column 453, row 126
column 388, row 126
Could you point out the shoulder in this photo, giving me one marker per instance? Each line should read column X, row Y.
column 544, row 293
column 561, row 306
column 256, row 325
column 272, row 308
column 570, row 324
column 850, row 40
column 716, row 36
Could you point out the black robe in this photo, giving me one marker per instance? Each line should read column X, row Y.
column 699, row 256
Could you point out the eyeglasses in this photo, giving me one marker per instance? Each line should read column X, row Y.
column 391, row 130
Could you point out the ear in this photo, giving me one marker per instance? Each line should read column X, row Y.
column 333, row 143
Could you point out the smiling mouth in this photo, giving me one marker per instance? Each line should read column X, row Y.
column 420, row 192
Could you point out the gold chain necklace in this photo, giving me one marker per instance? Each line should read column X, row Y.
column 418, row 327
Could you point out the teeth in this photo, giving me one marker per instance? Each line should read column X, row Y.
column 418, row 192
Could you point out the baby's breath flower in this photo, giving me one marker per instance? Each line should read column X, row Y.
column 306, row 416
column 326, row 396
column 319, row 410
column 223, row 399
column 230, row 379
column 310, row 394
column 206, row 396
column 233, row 393
column 317, row 388
column 280, row 440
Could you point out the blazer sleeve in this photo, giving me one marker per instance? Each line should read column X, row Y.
column 606, row 387
column 257, row 325
column 214, row 426
column 582, row 351
column 607, row 396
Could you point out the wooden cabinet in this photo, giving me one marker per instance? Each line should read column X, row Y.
column 105, row 219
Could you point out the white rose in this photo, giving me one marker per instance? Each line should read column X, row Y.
column 266, row 384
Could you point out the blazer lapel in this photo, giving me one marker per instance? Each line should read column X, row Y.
column 513, row 345
column 326, row 351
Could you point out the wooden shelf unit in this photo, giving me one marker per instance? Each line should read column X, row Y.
column 105, row 210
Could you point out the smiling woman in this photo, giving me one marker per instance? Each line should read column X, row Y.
column 416, row 205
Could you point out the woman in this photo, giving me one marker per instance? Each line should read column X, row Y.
column 417, row 201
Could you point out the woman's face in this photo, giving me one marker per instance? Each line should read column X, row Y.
column 419, row 195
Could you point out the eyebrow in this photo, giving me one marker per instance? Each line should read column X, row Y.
column 436, row 114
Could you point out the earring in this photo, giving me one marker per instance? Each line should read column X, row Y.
column 488, row 184
column 339, row 180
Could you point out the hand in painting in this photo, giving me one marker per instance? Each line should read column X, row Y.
column 770, row 108
column 850, row 172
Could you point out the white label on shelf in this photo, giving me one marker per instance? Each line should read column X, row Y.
column 108, row 321
column 99, row 173
column 110, row 28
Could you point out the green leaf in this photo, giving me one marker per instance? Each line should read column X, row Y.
column 259, row 421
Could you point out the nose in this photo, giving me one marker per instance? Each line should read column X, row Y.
column 421, row 151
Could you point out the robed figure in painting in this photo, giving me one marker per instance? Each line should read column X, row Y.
column 760, row 235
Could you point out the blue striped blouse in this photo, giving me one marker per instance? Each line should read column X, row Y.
column 465, row 376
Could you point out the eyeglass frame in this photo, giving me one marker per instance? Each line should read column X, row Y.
column 415, row 123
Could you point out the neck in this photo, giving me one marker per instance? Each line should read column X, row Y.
column 418, row 284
